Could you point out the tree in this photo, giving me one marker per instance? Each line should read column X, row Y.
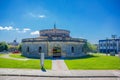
column 20, row 47
column 88, row 47
column 3, row 46
column 93, row 48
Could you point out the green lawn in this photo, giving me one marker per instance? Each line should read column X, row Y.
column 1, row 54
column 29, row 64
column 94, row 62
column 17, row 56
column 91, row 62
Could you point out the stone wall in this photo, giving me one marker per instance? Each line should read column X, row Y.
column 47, row 48
column 34, row 49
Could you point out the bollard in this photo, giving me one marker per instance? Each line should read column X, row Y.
column 42, row 60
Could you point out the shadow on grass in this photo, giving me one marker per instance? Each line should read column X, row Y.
column 68, row 58
column 23, row 55
column 43, row 69
column 83, row 57
column 73, row 58
column 30, row 57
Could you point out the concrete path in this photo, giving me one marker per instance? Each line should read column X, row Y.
column 51, row 78
column 59, row 65
column 61, row 74
column 8, row 56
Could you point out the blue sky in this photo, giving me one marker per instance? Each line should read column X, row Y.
column 89, row 19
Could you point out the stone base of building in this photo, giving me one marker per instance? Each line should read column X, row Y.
column 53, row 49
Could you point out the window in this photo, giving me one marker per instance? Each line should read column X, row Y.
column 27, row 49
column 101, row 45
column 40, row 49
column 111, row 44
column 72, row 49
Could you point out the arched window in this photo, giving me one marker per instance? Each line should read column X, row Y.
column 72, row 49
column 40, row 49
column 27, row 49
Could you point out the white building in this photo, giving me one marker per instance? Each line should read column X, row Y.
column 109, row 45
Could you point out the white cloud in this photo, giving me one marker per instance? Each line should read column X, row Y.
column 6, row 28
column 35, row 33
column 24, row 30
column 11, row 28
column 36, row 15
column 41, row 16
column 17, row 29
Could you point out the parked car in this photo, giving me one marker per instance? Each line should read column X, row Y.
column 16, row 51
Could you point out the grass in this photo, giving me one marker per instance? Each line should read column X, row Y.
column 94, row 62
column 28, row 64
column 17, row 56
column 90, row 62
column 1, row 54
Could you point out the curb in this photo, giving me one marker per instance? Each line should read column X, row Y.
column 61, row 76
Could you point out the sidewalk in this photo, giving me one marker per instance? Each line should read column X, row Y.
column 59, row 68
column 59, row 65
column 51, row 73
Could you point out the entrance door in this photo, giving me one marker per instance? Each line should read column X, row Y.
column 56, row 52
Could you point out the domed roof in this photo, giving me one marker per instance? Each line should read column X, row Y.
column 55, row 32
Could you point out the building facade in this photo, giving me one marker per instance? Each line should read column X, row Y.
column 109, row 45
column 53, row 43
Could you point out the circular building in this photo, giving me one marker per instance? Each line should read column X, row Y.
column 53, row 43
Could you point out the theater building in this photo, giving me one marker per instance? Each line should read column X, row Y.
column 53, row 43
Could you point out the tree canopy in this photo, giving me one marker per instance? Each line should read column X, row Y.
column 20, row 47
column 3, row 46
column 88, row 47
